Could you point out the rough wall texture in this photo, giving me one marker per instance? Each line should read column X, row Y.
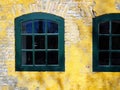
column 78, row 73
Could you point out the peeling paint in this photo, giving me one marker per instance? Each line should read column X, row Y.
column 78, row 73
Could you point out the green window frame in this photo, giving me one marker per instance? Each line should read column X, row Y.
column 51, row 58
column 106, row 43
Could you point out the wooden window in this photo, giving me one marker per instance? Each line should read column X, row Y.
column 106, row 43
column 39, row 42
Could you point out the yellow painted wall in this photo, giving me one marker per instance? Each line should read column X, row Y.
column 78, row 73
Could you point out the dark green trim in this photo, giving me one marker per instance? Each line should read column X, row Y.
column 46, row 41
column 36, row 16
column 96, row 22
column 39, row 15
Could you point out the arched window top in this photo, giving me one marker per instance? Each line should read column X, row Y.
column 107, row 17
column 39, row 15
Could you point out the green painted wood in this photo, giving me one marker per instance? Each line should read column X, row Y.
column 36, row 16
column 96, row 22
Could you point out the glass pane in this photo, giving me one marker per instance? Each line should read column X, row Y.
column 26, row 42
column 52, row 57
column 39, row 42
column 52, row 42
column 27, row 27
column 52, row 27
column 27, row 58
column 104, row 28
column 103, row 42
column 40, row 57
column 39, row 26
column 116, row 27
column 115, row 42
column 103, row 58
column 115, row 58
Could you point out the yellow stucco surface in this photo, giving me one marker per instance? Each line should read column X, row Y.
column 78, row 73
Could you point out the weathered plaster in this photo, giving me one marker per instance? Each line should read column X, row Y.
column 78, row 73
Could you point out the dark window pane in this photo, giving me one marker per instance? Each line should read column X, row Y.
column 52, row 42
column 104, row 28
column 103, row 42
column 116, row 27
column 116, row 42
column 27, row 58
column 27, row 27
column 103, row 58
column 52, row 27
column 40, row 57
column 26, row 42
column 39, row 26
column 115, row 58
column 52, row 57
column 39, row 42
